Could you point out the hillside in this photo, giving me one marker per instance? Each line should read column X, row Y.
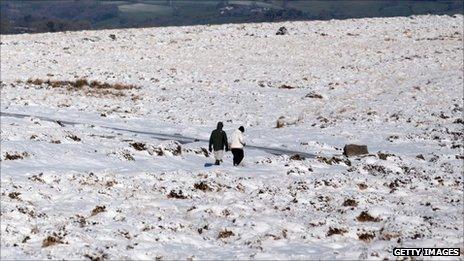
column 96, row 160
column 38, row 16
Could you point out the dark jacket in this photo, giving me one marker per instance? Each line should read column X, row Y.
column 218, row 138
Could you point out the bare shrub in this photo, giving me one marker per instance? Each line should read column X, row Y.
column 203, row 186
column 14, row 195
column 178, row 195
column 52, row 240
column 15, row 155
column 98, row 256
column 336, row 231
column 138, row 145
column 128, row 156
column 97, row 210
column 37, row 178
column 366, row 237
column 225, row 234
column 350, row 203
column 366, row 217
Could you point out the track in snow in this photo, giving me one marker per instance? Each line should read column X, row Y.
column 161, row 136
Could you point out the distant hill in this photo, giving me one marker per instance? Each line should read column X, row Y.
column 69, row 15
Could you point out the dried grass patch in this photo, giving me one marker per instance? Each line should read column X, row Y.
column 89, row 88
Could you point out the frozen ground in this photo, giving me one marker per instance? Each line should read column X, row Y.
column 85, row 191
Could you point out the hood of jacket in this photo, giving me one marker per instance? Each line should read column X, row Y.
column 219, row 126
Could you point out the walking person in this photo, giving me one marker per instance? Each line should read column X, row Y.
column 237, row 145
column 218, row 141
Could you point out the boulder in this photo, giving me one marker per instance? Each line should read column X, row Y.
column 354, row 150
column 282, row 31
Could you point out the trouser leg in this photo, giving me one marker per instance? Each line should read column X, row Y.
column 240, row 156
column 235, row 154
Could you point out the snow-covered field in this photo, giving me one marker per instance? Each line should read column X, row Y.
column 111, row 188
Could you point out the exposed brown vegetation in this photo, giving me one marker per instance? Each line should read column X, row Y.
column 74, row 137
column 384, row 156
column 333, row 160
column 97, row 210
column 178, row 195
column 35, row 82
column 88, row 87
column 285, row 86
column 127, row 156
column 81, row 83
column 157, row 151
column 99, row 256
column 37, row 178
column 14, row 195
column 52, row 240
column 313, row 95
column 15, row 155
column 350, row 203
column 297, row 157
column 389, row 236
column 175, row 148
column 225, row 234
column 110, row 183
column 366, row 217
column 138, row 145
column 366, row 237
column 336, row 231
column 199, row 151
column 25, row 239
column 203, row 186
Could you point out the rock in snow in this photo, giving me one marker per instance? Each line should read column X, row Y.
column 282, row 31
column 354, row 150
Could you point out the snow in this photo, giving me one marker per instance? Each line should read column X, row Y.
column 393, row 84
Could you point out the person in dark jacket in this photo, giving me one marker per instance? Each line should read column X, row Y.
column 218, row 141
